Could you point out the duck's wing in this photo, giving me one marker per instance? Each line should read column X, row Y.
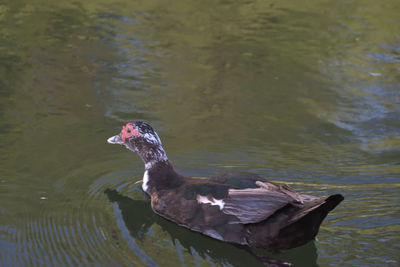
column 252, row 205
column 247, row 200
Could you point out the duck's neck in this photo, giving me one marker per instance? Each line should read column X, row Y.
column 160, row 177
column 152, row 155
column 159, row 173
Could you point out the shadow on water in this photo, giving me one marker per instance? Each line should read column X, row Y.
column 138, row 217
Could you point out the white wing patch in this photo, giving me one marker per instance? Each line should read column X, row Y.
column 212, row 201
column 145, row 186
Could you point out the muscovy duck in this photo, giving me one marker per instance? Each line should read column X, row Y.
column 239, row 208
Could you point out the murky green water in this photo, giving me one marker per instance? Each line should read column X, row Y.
column 307, row 93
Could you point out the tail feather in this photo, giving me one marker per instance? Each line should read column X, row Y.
column 293, row 225
column 304, row 225
column 325, row 205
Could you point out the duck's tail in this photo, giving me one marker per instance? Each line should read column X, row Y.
column 322, row 207
column 304, row 224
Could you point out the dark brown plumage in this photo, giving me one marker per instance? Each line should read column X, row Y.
column 240, row 208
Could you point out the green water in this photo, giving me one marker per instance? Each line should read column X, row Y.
column 303, row 92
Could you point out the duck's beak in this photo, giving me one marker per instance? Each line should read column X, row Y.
column 116, row 139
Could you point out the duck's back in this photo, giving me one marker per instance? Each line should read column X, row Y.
column 237, row 180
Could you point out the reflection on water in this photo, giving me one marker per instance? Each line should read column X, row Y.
column 307, row 94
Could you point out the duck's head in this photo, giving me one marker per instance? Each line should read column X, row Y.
column 140, row 137
column 134, row 134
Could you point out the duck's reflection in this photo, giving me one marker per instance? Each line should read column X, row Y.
column 139, row 217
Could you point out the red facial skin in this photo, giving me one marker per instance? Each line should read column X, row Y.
column 128, row 131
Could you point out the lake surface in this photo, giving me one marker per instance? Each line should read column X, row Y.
column 307, row 93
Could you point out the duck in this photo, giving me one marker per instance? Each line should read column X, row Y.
column 236, row 207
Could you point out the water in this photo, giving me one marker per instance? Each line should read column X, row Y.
column 304, row 93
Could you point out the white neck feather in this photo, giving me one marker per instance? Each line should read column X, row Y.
column 145, row 185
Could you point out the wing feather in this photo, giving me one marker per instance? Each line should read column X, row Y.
column 253, row 205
